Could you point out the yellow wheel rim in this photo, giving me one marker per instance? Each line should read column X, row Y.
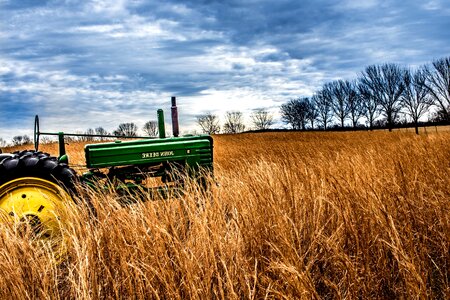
column 37, row 207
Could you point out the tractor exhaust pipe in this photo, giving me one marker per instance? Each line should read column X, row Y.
column 175, row 128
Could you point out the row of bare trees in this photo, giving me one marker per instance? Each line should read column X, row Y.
column 209, row 123
column 16, row 141
column 380, row 92
column 150, row 129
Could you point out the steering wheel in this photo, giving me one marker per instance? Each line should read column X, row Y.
column 36, row 133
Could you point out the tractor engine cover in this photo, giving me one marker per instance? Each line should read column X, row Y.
column 194, row 151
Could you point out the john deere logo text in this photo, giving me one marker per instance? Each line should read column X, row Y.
column 157, row 154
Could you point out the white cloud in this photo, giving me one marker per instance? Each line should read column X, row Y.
column 110, row 7
column 108, row 28
column 357, row 4
column 432, row 5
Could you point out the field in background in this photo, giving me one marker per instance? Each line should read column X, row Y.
column 426, row 129
column 294, row 215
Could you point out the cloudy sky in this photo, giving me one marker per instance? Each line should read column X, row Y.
column 81, row 64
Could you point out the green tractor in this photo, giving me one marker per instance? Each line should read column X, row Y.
column 35, row 186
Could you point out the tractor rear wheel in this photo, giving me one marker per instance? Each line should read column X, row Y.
column 34, row 191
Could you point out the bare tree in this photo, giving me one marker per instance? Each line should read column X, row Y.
column 151, row 128
column 126, row 129
column 369, row 104
column 437, row 116
column 3, row 143
column 90, row 131
column 322, row 102
column 26, row 140
column 295, row 113
column 438, row 85
column 354, row 102
column 416, row 99
column 46, row 140
column 288, row 114
column 385, row 84
column 262, row 119
column 337, row 94
column 69, row 139
column 209, row 123
column 312, row 114
column 19, row 140
column 101, row 131
column 234, row 122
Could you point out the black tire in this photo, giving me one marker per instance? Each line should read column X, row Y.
column 37, row 164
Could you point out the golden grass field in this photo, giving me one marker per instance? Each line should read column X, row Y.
column 315, row 215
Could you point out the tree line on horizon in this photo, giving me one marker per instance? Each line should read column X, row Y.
column 261, row 119
column 130, row 129
column 380, row 95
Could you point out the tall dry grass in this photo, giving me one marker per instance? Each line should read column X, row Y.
column 295, row 215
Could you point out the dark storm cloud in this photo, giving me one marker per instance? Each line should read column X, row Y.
column 101, row 62
column 246, row 22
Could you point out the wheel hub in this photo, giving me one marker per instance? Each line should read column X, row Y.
column 31, row 225
column 36, row 206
